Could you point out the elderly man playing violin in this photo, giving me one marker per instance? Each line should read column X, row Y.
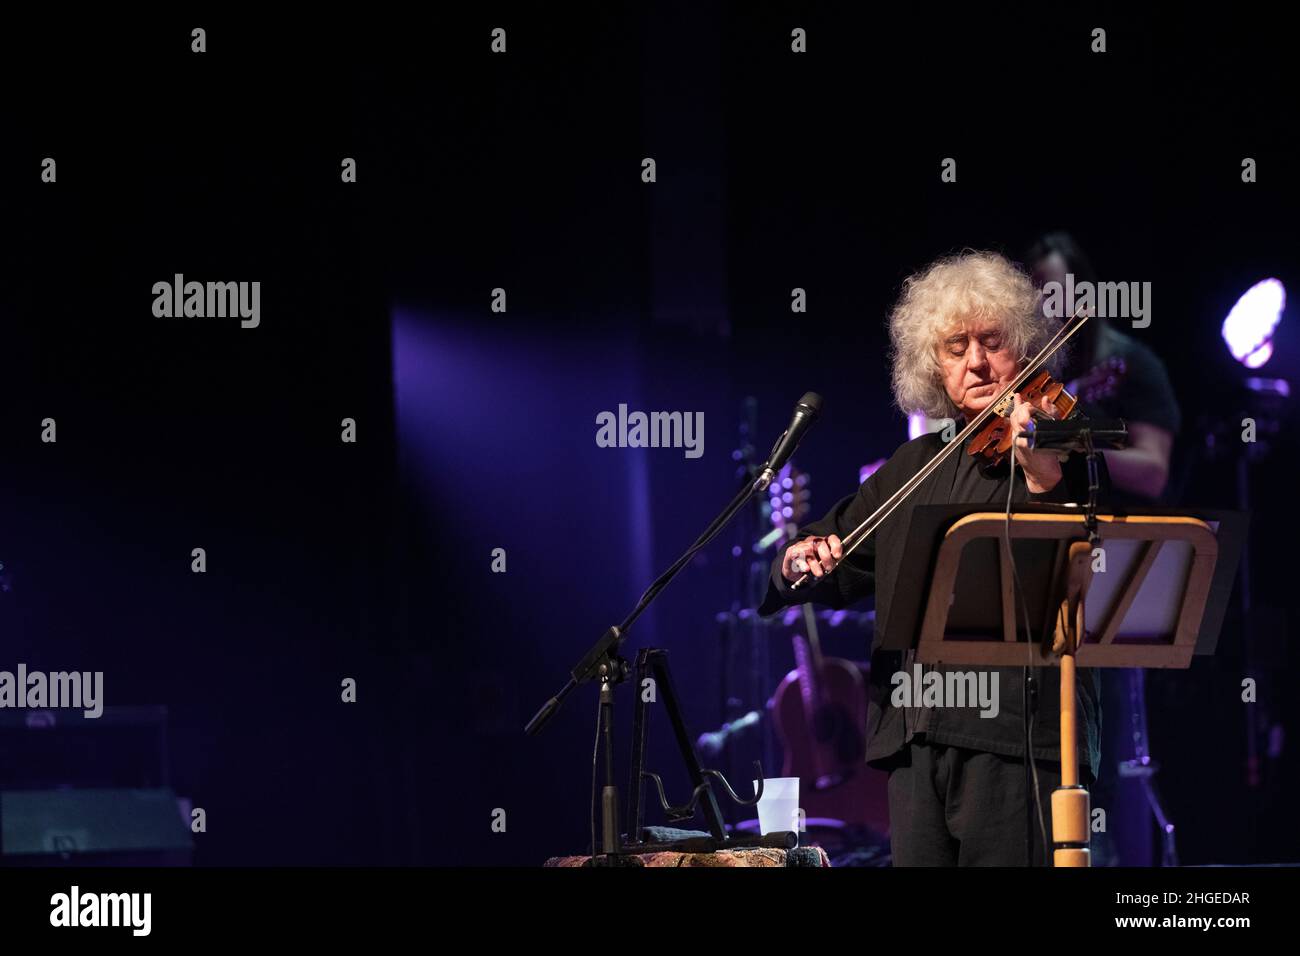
column 961, row 331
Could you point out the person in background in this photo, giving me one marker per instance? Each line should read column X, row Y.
column 1119, row 377
column 1116, row 376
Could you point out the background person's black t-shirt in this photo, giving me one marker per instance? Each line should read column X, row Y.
column 1129, row 381
column 1126, row 380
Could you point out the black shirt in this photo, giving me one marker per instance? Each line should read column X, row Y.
column 873, row 568
column 1126, row 380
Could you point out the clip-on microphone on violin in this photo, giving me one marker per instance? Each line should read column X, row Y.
column 1086, row 435
column 1076, row 434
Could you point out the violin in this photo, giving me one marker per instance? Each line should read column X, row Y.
column 993, row 442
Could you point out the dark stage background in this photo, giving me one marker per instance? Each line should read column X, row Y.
column 476, row 430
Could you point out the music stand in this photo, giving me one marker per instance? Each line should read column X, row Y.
column 1084, row 602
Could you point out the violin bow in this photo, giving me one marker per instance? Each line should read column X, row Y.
column 877, row 517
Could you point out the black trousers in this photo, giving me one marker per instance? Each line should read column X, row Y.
column 950, row 806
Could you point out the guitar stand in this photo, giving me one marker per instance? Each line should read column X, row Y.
column 603, row 662
column 654, row 682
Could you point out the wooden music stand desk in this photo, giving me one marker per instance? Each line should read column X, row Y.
column 1152, row 594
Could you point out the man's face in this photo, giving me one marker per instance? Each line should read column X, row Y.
column 976, row 364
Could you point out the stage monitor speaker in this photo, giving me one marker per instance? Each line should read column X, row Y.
column 93, row 827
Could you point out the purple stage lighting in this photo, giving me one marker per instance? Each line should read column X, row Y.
column 866, row 471
column 1248, row 329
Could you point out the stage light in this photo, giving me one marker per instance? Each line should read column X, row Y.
column 1279, row 387
column 1248, row 329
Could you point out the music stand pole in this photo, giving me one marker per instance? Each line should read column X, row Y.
column 1070, row 808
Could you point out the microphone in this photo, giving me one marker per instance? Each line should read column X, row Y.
column 805, row 413
column 1075, row 434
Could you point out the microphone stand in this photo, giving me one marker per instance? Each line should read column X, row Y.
column 603, row 662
